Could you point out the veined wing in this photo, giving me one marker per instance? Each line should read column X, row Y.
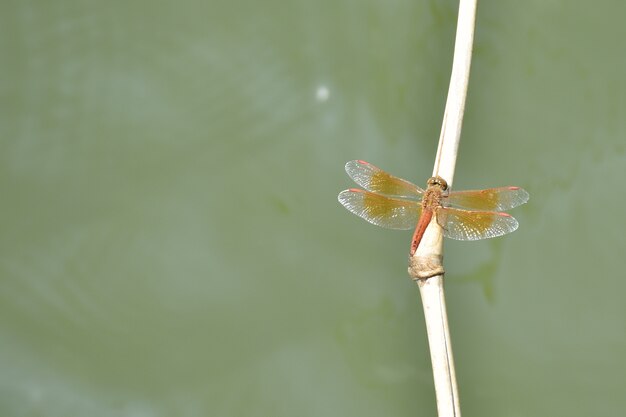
column 378, row 181
column 474, row 225
column 392, row 213
column 491, row 199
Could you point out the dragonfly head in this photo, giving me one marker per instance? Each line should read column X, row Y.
column 437, row 182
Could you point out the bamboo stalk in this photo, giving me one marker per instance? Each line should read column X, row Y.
column 426, row 265
column 445, row 160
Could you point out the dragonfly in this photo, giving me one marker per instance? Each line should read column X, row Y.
column 395, row 203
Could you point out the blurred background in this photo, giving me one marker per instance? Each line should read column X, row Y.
column 171, row 243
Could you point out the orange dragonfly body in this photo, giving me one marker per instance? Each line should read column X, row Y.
column 394, row 203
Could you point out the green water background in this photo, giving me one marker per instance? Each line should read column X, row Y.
column 171, row 243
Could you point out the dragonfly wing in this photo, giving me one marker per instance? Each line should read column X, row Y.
column 474, row 225
column 392, row 213
column 491, row 199
column 378, row 181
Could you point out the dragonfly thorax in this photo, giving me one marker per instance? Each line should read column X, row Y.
column 434, row 193
column 432, row 198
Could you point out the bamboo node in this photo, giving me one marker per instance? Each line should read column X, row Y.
column 425, row 266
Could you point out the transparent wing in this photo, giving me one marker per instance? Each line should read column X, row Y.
column 491, row 199
column 392, row 213
column 474, row 225
column 378, row 181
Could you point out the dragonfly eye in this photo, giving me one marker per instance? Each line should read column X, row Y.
column 438, row 181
